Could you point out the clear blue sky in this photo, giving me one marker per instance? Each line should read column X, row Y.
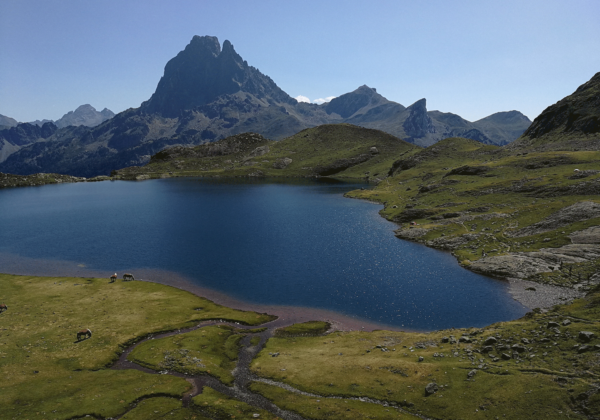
column 472, row 58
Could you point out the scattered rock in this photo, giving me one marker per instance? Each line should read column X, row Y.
column 584, row 348
column 472, row 373
column 282, row 163
column 431, row 388
column 519, row 348
column 468, row 170
column 586, row 336
column 490, row 341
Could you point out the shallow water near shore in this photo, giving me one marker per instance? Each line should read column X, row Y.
column 263, row 243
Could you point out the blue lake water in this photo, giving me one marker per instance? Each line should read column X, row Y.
column 294, row 243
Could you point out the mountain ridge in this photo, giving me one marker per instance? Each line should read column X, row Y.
column 208, row 93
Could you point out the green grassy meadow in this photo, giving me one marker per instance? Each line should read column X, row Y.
column 48, row 373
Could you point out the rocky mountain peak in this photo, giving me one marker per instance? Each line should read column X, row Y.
column 203, row 72
column 84, row 115
column 418, row 123
column 203, row 45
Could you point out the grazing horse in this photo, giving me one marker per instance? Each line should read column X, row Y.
column 113, row 278
column 128, row 276
column 3, row 307
column 87, row 333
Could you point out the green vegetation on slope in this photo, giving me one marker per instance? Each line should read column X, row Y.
column 219, row 406
column 208, row 350
column 540, row 366
column 481, row 201
column 342, row 150
column 305, row 328
column 573, row 123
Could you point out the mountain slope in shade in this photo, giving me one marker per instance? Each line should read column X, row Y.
column 207, row 93
column 571, row 123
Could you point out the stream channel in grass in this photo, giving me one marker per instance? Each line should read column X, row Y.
column 288, row 243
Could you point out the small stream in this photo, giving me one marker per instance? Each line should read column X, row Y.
column 241, row 373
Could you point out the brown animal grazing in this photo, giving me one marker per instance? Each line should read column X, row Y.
column 3, row 307
column 113, row 278
column 87, row 333
column 128, row 276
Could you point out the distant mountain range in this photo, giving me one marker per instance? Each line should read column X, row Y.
column 83, row 115
column 15, row 135
column 208, row 93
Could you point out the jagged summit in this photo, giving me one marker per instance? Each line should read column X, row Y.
column 418, row 123
column 203, row 72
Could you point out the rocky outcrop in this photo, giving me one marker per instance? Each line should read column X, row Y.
column 452, row 242
column 468, row 170
column 9, row 180
column 341, row 165
column 418, row 123
column 577, row 212
column 408, row 215
column 585, row 247
column 247, row 143
column 282, row 163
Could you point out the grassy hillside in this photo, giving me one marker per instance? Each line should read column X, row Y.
column 488, row 205
column 340, row 150
column 573, row 123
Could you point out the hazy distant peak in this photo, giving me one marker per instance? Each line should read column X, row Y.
column 506, row 117
column 84, row 115
column 7, row 121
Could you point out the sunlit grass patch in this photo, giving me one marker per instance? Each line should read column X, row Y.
column 216, row 405
column 208, row 350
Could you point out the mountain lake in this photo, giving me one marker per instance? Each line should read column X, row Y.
column 296, row 243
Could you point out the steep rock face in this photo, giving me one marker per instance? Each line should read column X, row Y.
column 418, row 123
column 201, row 73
